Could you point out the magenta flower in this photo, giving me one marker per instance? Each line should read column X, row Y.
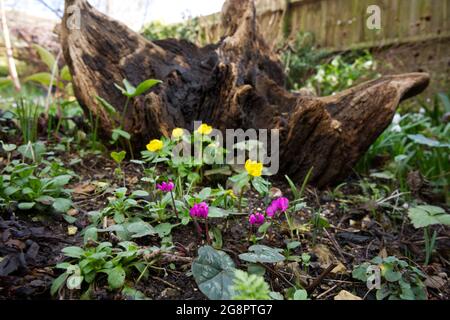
column 166, row 186
column 200, row 210
column 279, row 205
column 257, row 219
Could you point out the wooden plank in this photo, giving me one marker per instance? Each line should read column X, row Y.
column 341, row 24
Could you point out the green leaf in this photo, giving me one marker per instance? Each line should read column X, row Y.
column 205, row 194
column 45, row 200
column 421, row 139
column 118, row 157
column 262, row 254
column 58, row 283
column 61, row 181
column 26, row 205
column 90, row 234
column 133, row 294
column 216, row 235
column 130, row 89
column 119, row 133
column 43, row 78
column 164, row 229
column 145, row 86
column 107, row 106
column 276, row 296
column 69, row 219
column 215, row 212
column 47, row 57
column 65, row 74
column 445, row 101
column 391, row 275
column 139, row 194
column 386, row 175
column 8, row 147
column 214, row 272
column 141, row 229
column 9, row 191
column 74, row 282
column 73, row 252
column 301, row 295
column 383, row 292
column 424, row 216
column 62, row 205
column 293, row 187
column 5, row 82
column 261, row 185
column 240, row 181
column 360, row 272
column 116, row 277
column 293, row 245
column 122, row 90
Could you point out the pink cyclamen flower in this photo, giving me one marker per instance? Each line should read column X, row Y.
column 166, row 186
column 200, row 210
column 279, row 205
column 257, row 219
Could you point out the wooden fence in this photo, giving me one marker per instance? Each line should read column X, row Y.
column 342, row 24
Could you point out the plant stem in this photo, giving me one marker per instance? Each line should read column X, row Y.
column 131, row 149
column 288, row 219
column 198, row 228
column 208, row 238
column 241, row 194
column 174, row 206
column 429, row 244
column 124, row 176
column 124, row 113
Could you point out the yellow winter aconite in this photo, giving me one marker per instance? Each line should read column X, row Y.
column 155, row 145
column 205, row 129
column 177, row 133
column 254, row 168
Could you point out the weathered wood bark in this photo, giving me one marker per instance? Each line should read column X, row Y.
column 237, row 83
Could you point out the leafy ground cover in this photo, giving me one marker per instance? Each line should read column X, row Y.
column 84, row 220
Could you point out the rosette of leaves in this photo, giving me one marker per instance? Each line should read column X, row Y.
column 104, row 262
column 399, row 280
column 25, row 186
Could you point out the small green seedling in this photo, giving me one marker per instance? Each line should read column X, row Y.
column 398, row 280
column 118, row 158
column 425, row 217
column 8, row 148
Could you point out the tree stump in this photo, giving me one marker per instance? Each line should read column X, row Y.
column 236, row 83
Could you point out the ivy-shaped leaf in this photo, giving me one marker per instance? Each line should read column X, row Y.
column 424, row 216
column 214, row 272
column 262, row 254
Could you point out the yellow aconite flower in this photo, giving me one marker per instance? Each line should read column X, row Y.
column 155, row 145
column 254, row 168
column 177, row 133
column 204, row 129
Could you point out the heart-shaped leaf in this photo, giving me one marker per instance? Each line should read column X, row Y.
column 62, row 205
column 262, row 254
column 116, row 277
column 424, row 216
column 118, row 157
column 214, row 272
